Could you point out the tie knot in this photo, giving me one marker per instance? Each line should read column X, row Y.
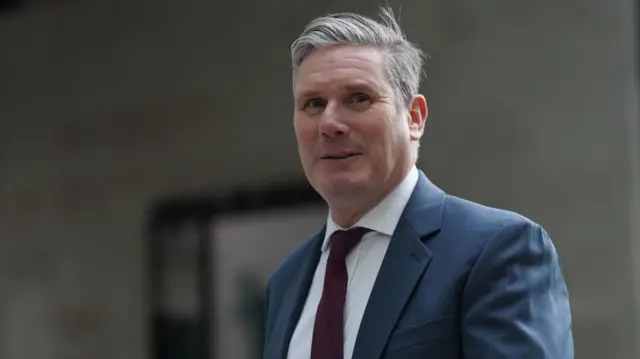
column 342, row 242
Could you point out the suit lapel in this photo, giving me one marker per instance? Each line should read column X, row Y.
column 406, row 260
column 294, row 300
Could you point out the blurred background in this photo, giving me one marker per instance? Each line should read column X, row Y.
column 145, row 145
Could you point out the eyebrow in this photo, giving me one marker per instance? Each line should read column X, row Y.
column 361, row 87
column 308, row 94
column 353, row 87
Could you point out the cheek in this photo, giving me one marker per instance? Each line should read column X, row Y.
column 380, row 139
column 306, row 134
column 383, row 143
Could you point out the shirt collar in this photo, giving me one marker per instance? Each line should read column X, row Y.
column 384, row 217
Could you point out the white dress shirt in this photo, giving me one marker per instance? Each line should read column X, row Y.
column 363, row 264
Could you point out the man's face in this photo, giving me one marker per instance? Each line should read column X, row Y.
column 355, row 137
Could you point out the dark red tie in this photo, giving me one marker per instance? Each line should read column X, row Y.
column 328, row 333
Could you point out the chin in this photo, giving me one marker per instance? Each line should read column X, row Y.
column 342, row 185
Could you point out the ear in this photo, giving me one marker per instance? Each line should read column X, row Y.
column 418, row 113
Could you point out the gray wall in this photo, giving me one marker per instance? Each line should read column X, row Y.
column 105, row 106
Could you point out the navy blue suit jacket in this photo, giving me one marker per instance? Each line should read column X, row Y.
column 459, row 280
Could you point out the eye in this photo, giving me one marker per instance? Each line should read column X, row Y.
column 314, row 103
column 360, row 99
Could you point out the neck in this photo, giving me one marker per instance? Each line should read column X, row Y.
column 344, row 219
column 351, row 210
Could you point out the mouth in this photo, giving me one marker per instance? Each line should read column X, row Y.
column 339, row 156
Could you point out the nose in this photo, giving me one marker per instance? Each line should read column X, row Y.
column 331, row 123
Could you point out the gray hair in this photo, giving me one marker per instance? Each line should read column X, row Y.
column 403, row 59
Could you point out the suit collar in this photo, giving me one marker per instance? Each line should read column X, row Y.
column 405, row 262
column 424, row 209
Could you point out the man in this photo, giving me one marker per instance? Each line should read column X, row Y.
column 401, row 269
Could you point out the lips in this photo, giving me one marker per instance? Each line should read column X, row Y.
column 338, row 156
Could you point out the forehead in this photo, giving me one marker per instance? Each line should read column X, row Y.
column 341, row 67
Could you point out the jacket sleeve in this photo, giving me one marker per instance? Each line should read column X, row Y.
column 515, row 303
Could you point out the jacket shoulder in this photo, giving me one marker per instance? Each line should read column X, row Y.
column 472, row 216
column 472, row 225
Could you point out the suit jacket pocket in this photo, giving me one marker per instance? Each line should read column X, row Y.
column 439, row 329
